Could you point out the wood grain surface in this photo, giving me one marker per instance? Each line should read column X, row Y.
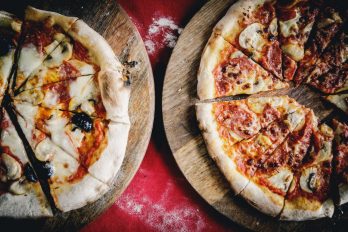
column 186, row 142
column 107, row 18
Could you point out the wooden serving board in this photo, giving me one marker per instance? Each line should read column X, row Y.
column 186, row 142
column 112, row 22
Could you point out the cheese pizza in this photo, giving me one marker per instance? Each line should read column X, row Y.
column 64, row 114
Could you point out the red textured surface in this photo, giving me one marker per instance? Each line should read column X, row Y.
column 159, row 198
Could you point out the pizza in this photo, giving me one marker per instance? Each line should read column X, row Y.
column 341, row 159
column 276, row 153
column 64, row 114
column 328, row 23
column 252, row 27
column 340, row 101
column 226, row 71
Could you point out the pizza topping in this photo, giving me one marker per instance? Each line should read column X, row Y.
column 290, row 26
column 274, row 57
column 333, row 81
column 18, row 187
column 236, row 118
column 251, row 38
column 308, row 180
column 13, row 167
column 281, row 180
column 29, row 173
column 46, row 170
column 82, row 121
column 62, row 53
column 5, row 45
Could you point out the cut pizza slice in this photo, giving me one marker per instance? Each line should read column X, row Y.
column 96, row 144
column 335, row 56
column 252, row 27
column 296, row 19
column 334, row 81
column 268, row 186
column 232, row 141
column 340, row 101
column 10, row 28
column 341, row 159
column 226, row 71
column 308, row 197
column 21, row 195
column 328, row 23
column 42, row 33
column 71, row 185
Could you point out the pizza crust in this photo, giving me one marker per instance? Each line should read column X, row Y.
column 37, row 15
column 304, row 209
column 78, row 194
column 214, row 145
column 30, row 205
column 110, row 161
column 263, row 199
column 112, row 83
column 229, row 26
column 343, row 192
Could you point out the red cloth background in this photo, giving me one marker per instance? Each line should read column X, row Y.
column 159, row 198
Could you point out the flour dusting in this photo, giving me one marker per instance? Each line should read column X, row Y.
column 160, row 217
column 163, row 32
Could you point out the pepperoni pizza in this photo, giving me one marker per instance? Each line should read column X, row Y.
column 271, row 149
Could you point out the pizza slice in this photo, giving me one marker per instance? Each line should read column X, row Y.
column 10, row 28
column 271, row 181
column 96, row 144
column 226, row 71
column 238, row 156
column 309, row 194
column 328, row 23
column 340, row 101
column 252, row 27
column 341, row 159
column 296, row 19
column 334, row 57
column 42, row 33
column 334, row 81
column 68, row 60
column 21, row 195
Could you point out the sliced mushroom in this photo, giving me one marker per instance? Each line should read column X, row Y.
column 61, row 53
column 308, row 180
column 43, row 151
column 18, row 187
column 13, row 167
column 251, row 37
column 282, row 179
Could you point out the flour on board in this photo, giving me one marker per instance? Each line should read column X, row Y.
column 163, row 32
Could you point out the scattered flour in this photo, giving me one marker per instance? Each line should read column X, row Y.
column 163, row 32
column 160, row 218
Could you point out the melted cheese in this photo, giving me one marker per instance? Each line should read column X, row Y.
column 29, row 60
column 290, row 27
column 6, row 65
column 62, row 53
column 251, row 38
column 51, row 99
column 84, row 68
column 281, row 180
column 295, row 51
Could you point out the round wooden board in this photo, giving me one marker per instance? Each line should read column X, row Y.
column 186, row 142
column 113, row 23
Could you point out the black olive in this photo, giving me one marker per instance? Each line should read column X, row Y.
column 46, row 170
column 5, row 45
column 82, row 121
column 29, row 173
column 311, row 182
